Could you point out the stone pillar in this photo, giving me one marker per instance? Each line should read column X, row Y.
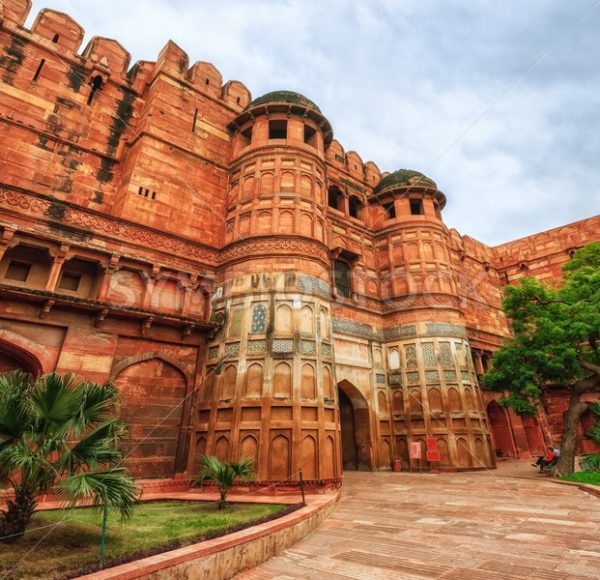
column 108, row 270
column 60, row 256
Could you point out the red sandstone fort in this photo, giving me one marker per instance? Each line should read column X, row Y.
column 252, row 288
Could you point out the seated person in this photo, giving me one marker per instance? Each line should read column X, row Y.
column 544, row 460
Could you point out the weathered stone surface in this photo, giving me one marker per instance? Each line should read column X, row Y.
column 234, row 270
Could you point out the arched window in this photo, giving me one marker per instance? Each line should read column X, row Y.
column 390, row 210
column 96, row 84
column 394, row 359
column 355, row 207
column 335, row 198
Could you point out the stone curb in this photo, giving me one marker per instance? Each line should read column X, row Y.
column 591, row 489
column 223, row 557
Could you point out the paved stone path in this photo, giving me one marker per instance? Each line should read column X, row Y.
column 460, row 526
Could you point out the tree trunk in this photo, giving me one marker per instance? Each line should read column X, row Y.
column 568, row 446
column 17, row 516
column 222, row 499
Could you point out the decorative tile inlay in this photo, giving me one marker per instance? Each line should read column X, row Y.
column 396, row 379
column 446, row 359
column 257, row 345
column 283, row 345
column 380, row 379
column 355, row 328
column 232, row 349
column 213, row 352
column 412, row 377
column 466, row 376
column 450, row 376
column 462, row 359
column 308, row 347
column 445, row 329
column 325, row 349
column 432, row 377
column 428, row 354
column 259, row 318
column 410, row 353
column 313, row 285
column 406, row 331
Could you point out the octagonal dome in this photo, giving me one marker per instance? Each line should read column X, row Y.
column 284, row 97
column 404, row 178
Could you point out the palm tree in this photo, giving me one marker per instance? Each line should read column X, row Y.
column 224, row 473
column 59, row 434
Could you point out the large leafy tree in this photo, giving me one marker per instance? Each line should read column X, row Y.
column 556, row 342
column 59, row 434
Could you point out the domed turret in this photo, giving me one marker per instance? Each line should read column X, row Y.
column 283, row 104
column 408, row 180
column 289, row 97
column 405, row 178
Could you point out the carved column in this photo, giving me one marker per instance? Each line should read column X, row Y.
column 150, row 283
column 8, row 234
column 60, row 256
column 108, row 270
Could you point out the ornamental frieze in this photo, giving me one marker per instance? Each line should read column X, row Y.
column 270, row 245
column 106, row 225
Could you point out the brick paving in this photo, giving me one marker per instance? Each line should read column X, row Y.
column 509, row 523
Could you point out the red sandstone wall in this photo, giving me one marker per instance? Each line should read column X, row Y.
column 134, row 189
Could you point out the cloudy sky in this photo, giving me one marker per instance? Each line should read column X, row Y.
column 499, row 102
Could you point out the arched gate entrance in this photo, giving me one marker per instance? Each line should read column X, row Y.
column 357, row 445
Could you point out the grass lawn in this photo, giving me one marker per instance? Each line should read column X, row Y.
column 592, row 477
column 73, row 544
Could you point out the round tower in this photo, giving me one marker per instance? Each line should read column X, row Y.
column 269, row 388
column 434, row 387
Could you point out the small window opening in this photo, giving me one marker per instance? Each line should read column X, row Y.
column 390, row 210
column 354, row 206
column 246, row 136
column 310, row 136
column 36, row 76
column 70, row 281
column 238, row 100
column 335, row 197
column 342, row 278
column 416, row 207
column 195, row 121
column 207, row 82
column 55, row 38
column 18, row 271
column 96, row 86
column 277, row 129
column 143, row 192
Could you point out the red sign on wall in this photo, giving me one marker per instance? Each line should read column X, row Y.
column 433, row 453
column 415, row 450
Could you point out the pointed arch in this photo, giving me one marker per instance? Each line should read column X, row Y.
column 282, row 380
column 254, row 380
column 309, row 382
column 283, row 319
column 307, row 320
column 229, row 380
